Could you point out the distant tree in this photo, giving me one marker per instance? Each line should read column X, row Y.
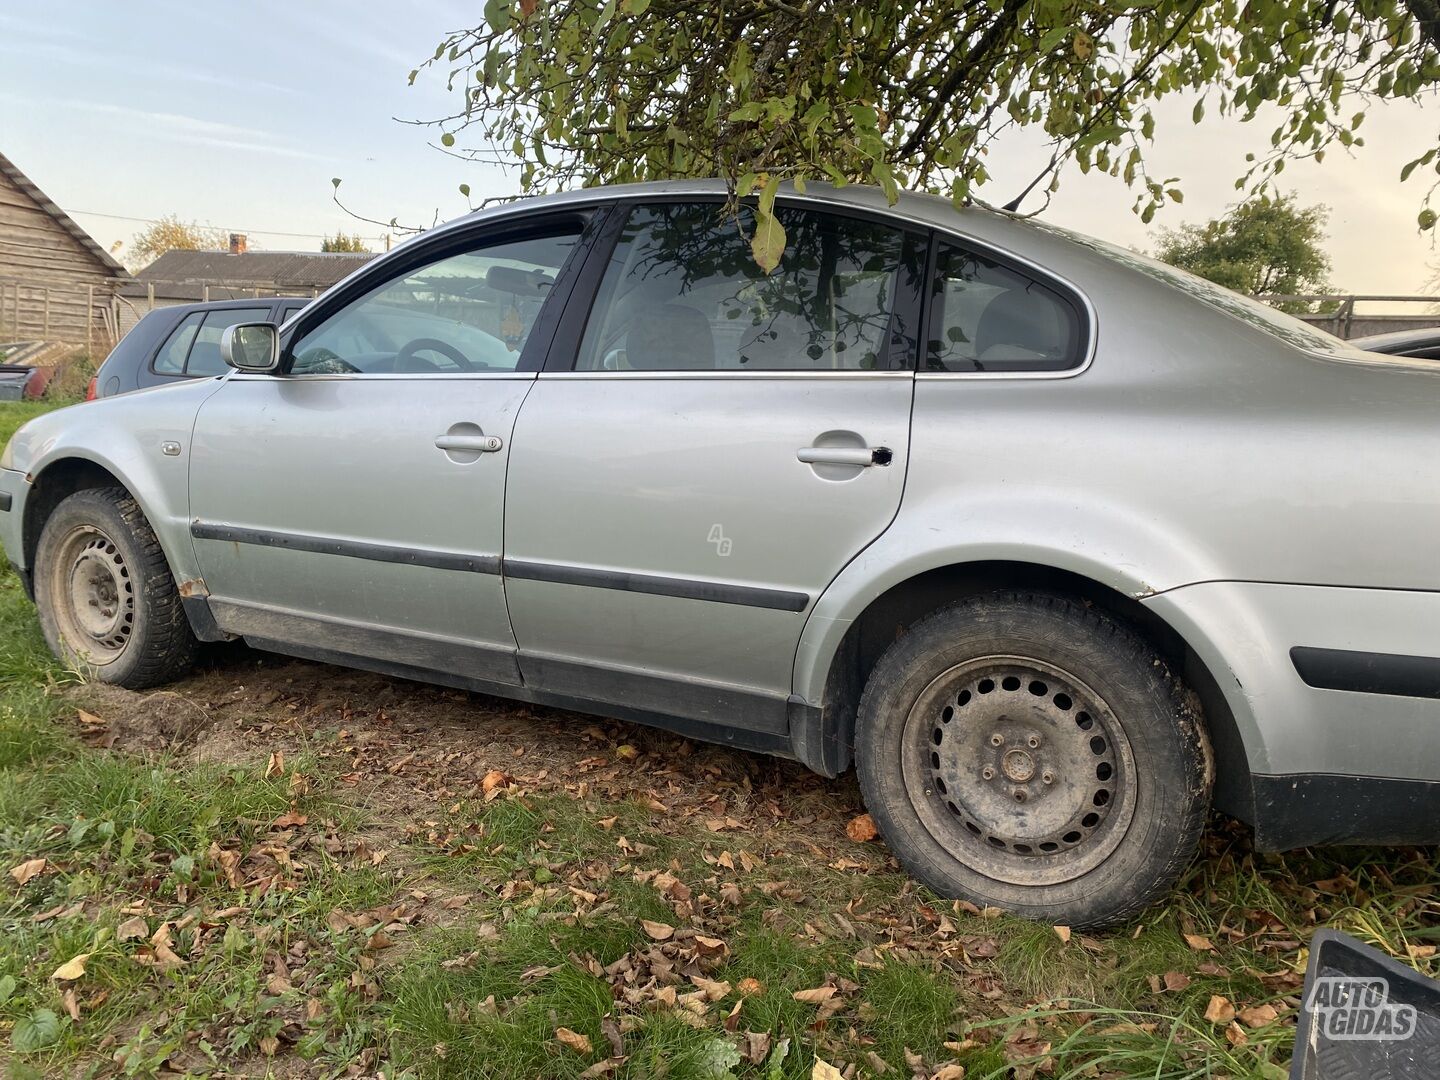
column 1263, row 246
column 341, row 242
column 172, row 234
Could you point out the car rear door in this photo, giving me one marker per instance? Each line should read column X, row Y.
column 351, row 507
column 703, row 456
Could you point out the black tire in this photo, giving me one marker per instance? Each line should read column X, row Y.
column 1099, row 757
column 107, row 601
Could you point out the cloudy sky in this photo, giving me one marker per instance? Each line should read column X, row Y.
column 139, row 110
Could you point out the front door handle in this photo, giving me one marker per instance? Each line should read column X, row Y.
column 861, row 456
column 475, row 444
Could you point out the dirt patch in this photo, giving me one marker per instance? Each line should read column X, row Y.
column 404, row 751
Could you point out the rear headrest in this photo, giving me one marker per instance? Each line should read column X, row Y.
column 1017, row 320
column 671, row 337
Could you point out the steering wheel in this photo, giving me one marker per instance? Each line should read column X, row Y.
column 427, row 344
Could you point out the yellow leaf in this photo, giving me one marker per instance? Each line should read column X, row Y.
column 768, row 243
column 823, row 1070
column 71, row 969
column 1199, row 942
column 1063, row 933
column 817, row 996
column 862, row 828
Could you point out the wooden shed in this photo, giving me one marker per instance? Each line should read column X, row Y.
column 56, row 283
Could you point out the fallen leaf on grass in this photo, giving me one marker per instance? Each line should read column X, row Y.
column 1063, row 933
column 1175, row 981
column 494, row 781
column 950, row 1072
column 862, row 828
column 713, row 990
column 27, row 870
column 90, row 719
column 134, row 927
column 750, row 987
column 1235, row 1035
column 818, row 996
column 275, row 765
column 1220, row 1010
column 574, row 1040
column 289, row 820
column 823, row 1070
column 1199, row 942
column 71, row 1003
column 1258, row 1015
column 72, row 969
column 626, row 752
column 658, row 930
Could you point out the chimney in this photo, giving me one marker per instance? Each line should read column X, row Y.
column 237, row 243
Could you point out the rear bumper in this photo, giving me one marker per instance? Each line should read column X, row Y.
column 1335, row 700
column 1313, row 809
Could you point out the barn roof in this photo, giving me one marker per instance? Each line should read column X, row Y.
column 177, row 274
column 12, row 173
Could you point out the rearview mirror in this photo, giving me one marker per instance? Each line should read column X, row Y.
column 251, row 347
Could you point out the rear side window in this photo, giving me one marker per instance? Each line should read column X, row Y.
column 193, row 347
column 682, row 292
column 987, row 317
column 170, row 360
column 205, row 352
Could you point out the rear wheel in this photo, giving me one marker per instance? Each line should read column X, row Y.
column 106, row 598
column 1025, row 752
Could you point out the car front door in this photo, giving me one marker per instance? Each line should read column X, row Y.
column 350, row 507
column 715, row 447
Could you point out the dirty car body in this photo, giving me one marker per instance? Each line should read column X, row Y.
column 638, row 497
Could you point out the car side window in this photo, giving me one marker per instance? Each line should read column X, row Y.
column 988, row 317
column 683, row 292
column 464, row 313
column 170, row 359
column 205, row 351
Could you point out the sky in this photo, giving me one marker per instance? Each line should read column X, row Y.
column 135, row 111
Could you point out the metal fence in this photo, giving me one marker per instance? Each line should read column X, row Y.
column 1336, row 312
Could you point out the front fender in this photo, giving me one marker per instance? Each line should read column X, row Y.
column 127, row 436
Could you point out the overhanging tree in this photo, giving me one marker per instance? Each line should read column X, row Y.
column 915, row 95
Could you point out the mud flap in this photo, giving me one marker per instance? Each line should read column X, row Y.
column 1365, row 1016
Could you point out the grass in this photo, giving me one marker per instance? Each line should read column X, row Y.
column 232, row 918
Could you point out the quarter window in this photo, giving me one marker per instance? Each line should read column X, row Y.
column 986, row 317
column 170, row 360
column 469, row 312
column 683, row 292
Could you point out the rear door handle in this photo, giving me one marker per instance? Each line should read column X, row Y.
column 475, row 444
column 861, row 456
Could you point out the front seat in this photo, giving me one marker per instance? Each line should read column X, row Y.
column 671, row 337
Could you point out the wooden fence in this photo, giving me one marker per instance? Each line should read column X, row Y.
column 71, row 314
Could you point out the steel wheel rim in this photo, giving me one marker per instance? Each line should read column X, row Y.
column 1019, row 770
column 94, row 595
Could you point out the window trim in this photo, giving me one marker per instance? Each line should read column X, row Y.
column 424, row 252
column 565, row 350
column 1062, row 287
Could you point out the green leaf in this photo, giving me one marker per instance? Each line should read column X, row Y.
column 1199, row 113
column 447, row 139
column 768, row 243
column 35, row 1032
column 335, row 181
column 465, row 190
column 1426, row 219
column 7, row 988
column 767, row 194
column 497, row 14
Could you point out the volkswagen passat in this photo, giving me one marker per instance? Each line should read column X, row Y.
column 1051, row 542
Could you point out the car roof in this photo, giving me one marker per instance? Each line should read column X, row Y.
column 1399, row 340
column 221, row 305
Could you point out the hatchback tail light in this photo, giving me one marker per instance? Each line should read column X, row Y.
column 92, row 391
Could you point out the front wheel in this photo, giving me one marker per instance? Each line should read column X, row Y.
column 107, row 601
column 1025, row 752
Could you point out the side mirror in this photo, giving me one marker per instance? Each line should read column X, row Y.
column 251, row 347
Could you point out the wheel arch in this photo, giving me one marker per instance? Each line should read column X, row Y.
column 71, row 471
column 825, row 738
